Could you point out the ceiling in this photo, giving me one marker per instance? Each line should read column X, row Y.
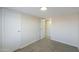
column 52, row 11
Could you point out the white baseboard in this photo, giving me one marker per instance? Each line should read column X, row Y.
column 66, row 43
column 78, row 48
column 5, row 50
column 27, row 44
column 1, row 50
column 11, row 50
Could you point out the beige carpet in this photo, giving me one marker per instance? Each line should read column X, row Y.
column 47, row 45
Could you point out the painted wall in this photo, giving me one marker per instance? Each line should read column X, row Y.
column 0, row 29
column 65, row 29
column 19, row 29
column 30, row 29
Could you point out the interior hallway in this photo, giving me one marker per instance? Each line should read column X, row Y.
column 21, row 26
column 47, row 45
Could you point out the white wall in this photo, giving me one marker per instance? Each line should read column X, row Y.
column 19, row 29
column 0, row 29
column 30, row 29
column 65, row 29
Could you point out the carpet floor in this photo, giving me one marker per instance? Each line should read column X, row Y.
column 47, row 45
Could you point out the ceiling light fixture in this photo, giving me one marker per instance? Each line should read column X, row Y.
column 43, row 8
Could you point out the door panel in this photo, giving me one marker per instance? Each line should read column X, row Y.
column 12, row 29
column 43, row 28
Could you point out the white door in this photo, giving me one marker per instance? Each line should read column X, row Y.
column 43, row 29
column 0, row 29
column 11, row 30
